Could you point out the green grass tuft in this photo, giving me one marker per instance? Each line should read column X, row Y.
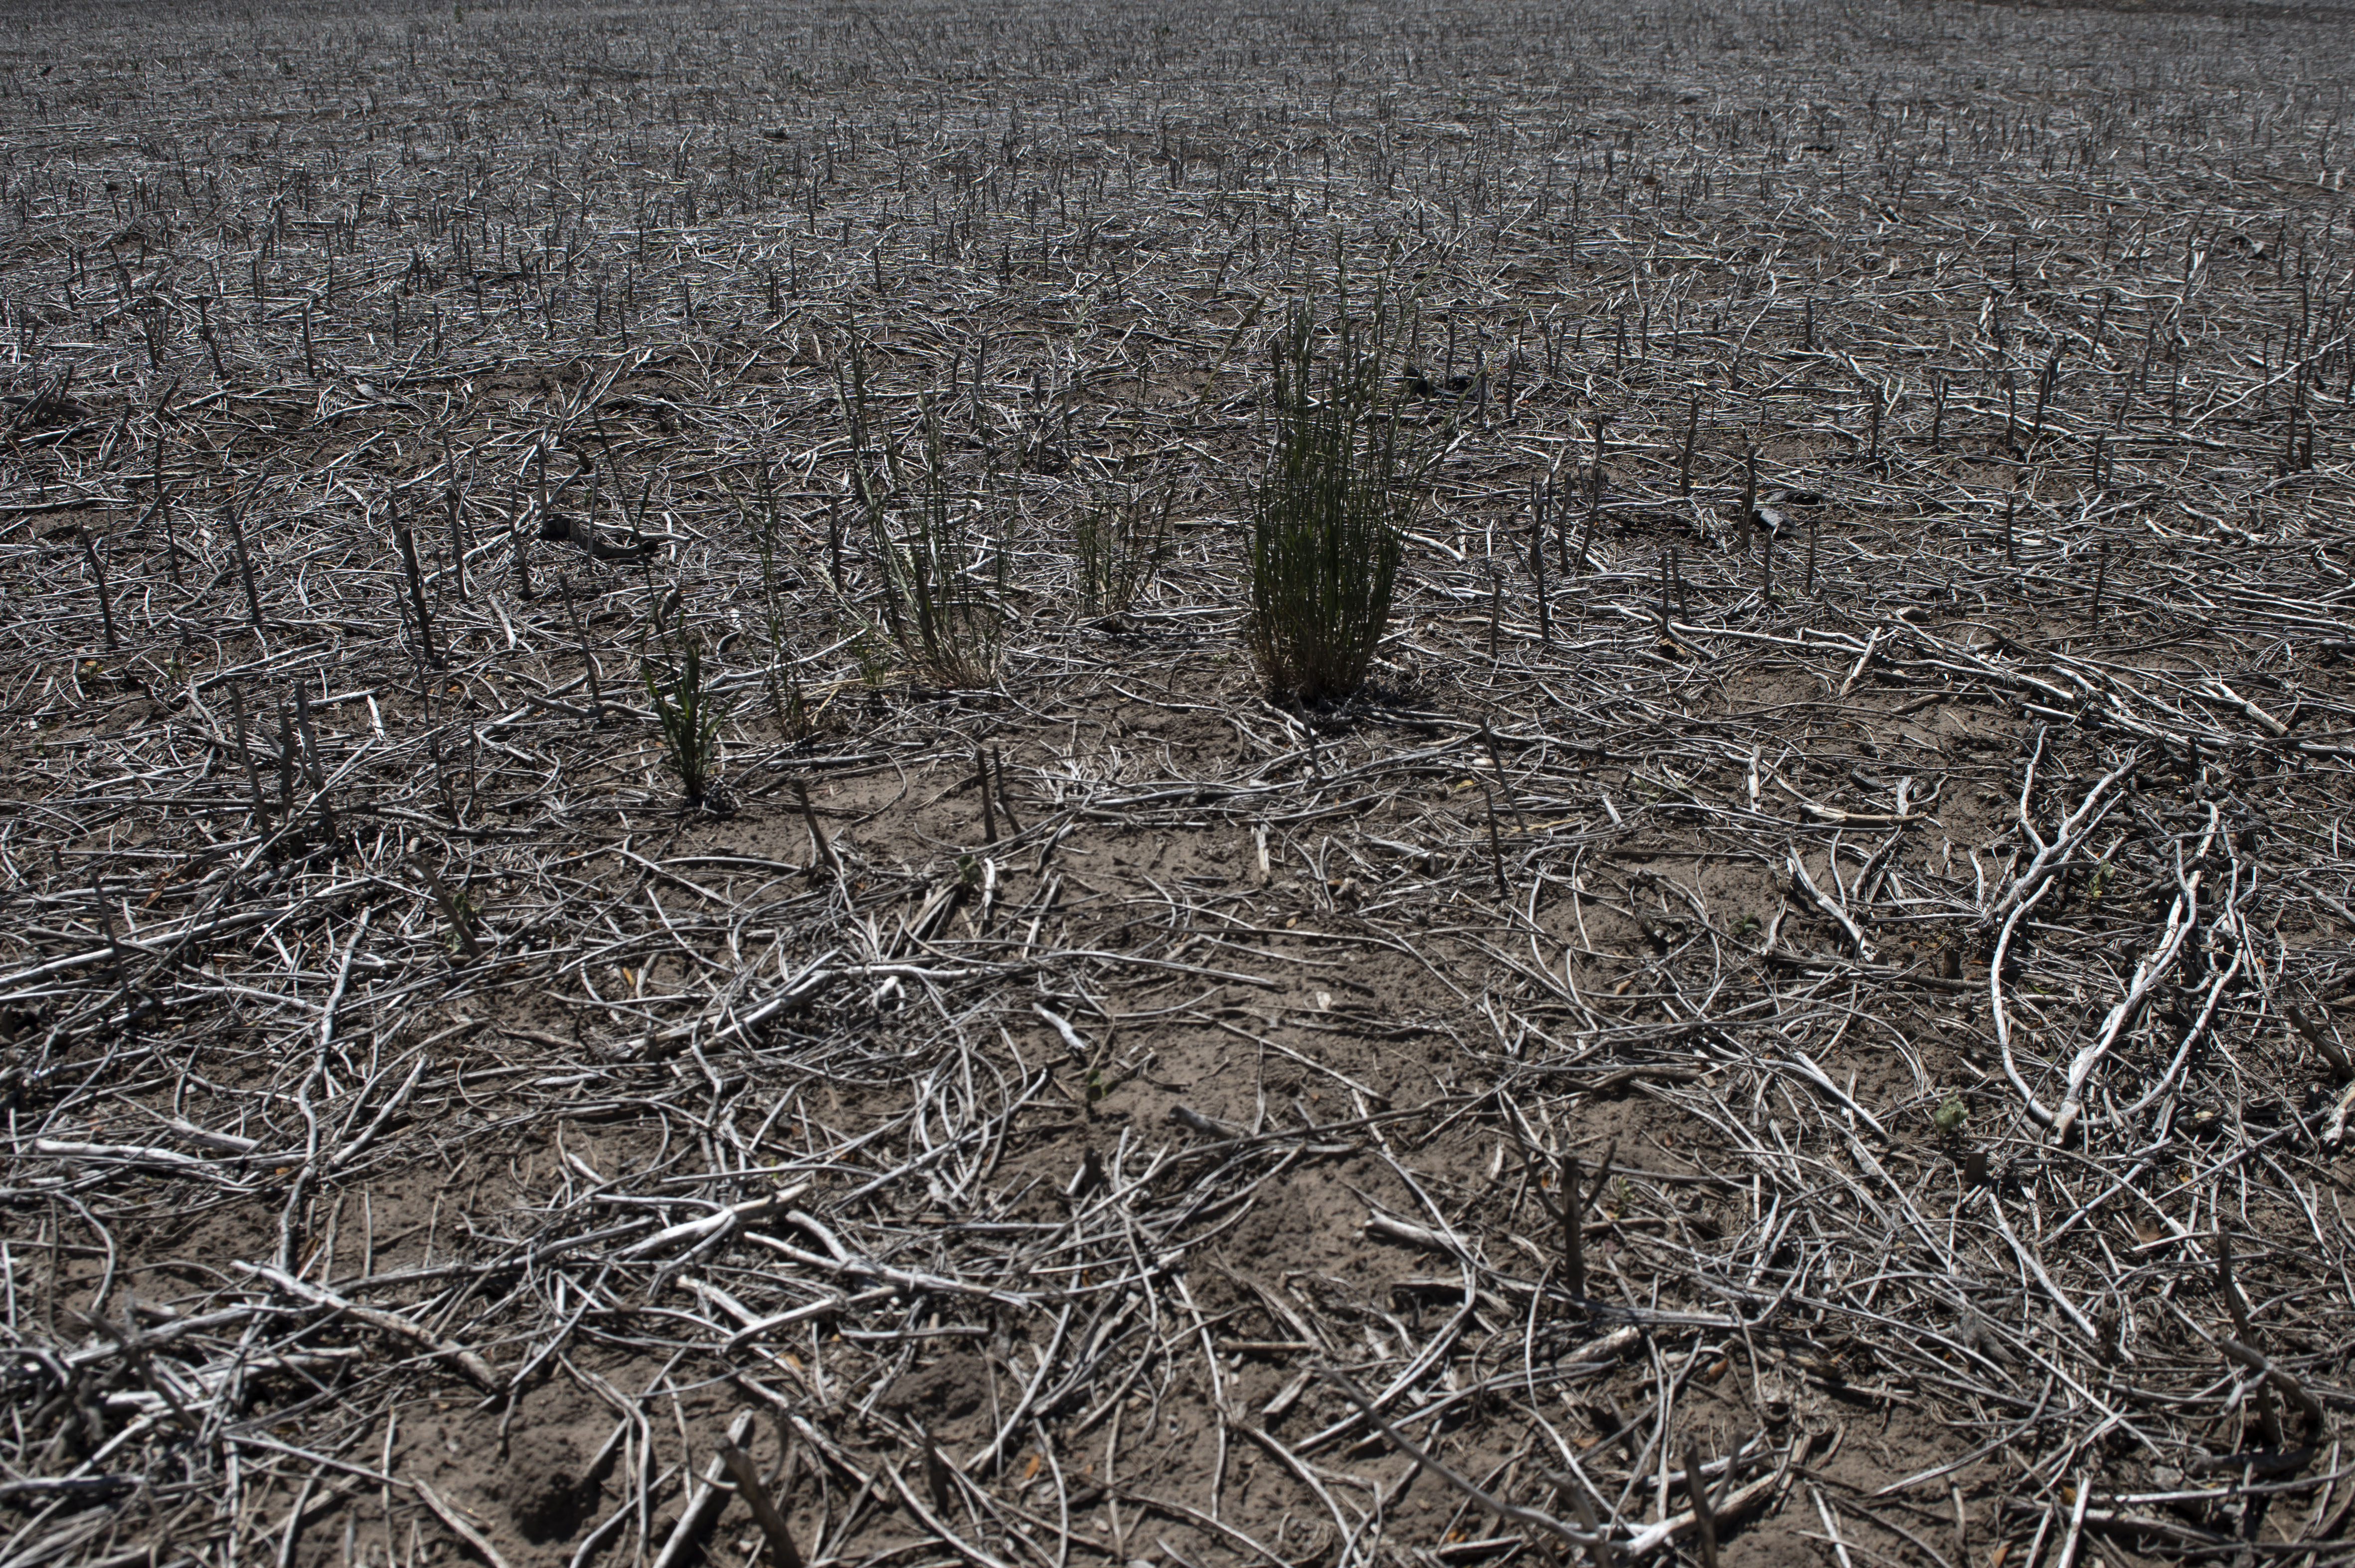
column 1328, row 518
column 1121, row 539
column 689, row 714
column 943, row 581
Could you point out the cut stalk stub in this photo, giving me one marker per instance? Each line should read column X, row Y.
column 1704, row 1515
column 1574, row 1220
column 783, row 1553
column 819, row 840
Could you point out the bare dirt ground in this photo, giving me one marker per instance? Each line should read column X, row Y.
column 1857, row 774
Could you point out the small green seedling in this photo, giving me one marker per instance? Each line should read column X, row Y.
column 689, row 714
column 1949, row 1118
column 462, row 917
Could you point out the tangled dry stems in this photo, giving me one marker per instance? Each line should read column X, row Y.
column 1876, row 649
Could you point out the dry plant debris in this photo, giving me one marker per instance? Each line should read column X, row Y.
column 1801, row 1015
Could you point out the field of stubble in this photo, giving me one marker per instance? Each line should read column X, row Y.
column 1853, row 791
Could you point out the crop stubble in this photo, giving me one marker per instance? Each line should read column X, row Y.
column 426, row 1142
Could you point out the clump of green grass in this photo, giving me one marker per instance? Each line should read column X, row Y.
column 1121, row 539
column 942, row 585
column 1329, row 515
column 689, row 714
column 944, row 579
column 781, row 677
